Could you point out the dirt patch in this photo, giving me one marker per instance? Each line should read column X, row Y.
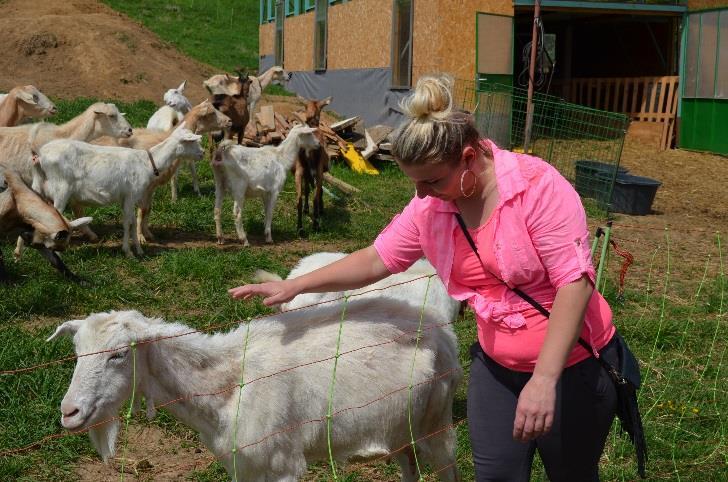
column 151, row 454
column 83, row 48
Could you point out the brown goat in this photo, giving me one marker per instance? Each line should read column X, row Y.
column 41, row 226
column 310, row 167
column 236, row 108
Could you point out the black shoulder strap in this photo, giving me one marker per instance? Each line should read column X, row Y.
column 516, row 290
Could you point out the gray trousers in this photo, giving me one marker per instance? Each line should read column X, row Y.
column 586, row 401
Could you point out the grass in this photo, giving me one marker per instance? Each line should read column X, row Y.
column 673, row 312
column 675, row 325
column 221, row 33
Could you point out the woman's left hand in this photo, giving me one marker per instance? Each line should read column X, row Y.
column 535, row 410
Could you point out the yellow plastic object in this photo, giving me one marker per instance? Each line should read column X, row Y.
column 357, row 163
column 520, row 150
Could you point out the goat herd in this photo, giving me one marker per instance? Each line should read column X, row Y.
column 96, row 159
column 272, row 395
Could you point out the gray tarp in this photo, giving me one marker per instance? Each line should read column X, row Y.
column 362, row 92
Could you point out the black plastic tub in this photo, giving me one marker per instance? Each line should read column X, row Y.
column 593, row 178
column 632, row 194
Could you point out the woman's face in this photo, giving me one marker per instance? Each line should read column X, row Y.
column 442, row 179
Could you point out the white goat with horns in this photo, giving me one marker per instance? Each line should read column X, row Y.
column 262, row 436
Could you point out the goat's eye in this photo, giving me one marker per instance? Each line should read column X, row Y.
column 35, row 98
column 117, row 356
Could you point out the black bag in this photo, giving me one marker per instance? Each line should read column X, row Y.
column 626, row 376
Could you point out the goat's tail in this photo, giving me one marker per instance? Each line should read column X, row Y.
column 262, row 276
column 39, row 178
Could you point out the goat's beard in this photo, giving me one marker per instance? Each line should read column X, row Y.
column 103, row 439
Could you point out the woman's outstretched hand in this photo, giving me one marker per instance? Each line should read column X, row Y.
column 273, row 293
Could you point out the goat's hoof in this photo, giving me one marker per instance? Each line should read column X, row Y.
column 93, row 239
column 220, row 241
column 269, row 241
column 301, row 233
column 245, row 243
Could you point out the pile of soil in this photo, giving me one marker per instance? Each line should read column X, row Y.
column 75, row 48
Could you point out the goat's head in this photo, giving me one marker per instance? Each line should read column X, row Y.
column 188, row 145
column 175, row 98
column 245, row 86
column 222, row 84
column 313, row 109
column 46, row 227
column 33, row 103
column 102, row 382
column 280, row 75
column 56, row 237
column 209, row 118
column 219, row 155
column 305, row 136
column 109, row 120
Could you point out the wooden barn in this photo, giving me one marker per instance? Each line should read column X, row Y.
column 619, row 56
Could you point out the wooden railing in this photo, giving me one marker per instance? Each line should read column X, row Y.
column 643, row 99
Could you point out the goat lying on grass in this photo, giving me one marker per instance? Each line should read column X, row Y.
column 42, row 226
column 86, row 174
column 261, row 425
column 255, row 172
column 25, row 102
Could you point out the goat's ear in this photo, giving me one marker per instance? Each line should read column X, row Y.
column 325, row 101
column 78, row 223
column 68, row 328
column 123, row 114
column 182, row 86
column 25, row 96
column 227, row 77
column 302, row 99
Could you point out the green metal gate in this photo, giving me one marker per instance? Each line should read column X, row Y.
column 584, row 144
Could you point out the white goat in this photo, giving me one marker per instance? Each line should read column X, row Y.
column 229, row 85
column 17, row 144
column 173, row 111
column 86, row 174
column 255, row 172
column 165, row 119
column 202, row 118
column 262, row 424
column 417, row 293
column 24, row 102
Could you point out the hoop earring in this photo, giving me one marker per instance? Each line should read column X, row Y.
column 462, row 179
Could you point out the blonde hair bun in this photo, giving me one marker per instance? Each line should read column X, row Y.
column 432, row 99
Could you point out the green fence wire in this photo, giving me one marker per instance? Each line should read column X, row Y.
column 584, row 144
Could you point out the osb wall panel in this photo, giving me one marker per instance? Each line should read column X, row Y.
column 444, row 35
column 360, row 34
column 703, row 4
column 266, row 39
column 298, row 42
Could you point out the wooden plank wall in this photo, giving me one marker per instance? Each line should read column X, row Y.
column 267, row 39
column 643, row 99
column 360, row 34
column 298, row 42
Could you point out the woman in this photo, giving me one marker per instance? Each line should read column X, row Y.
column 531, row 386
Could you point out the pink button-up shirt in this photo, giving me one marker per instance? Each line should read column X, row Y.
column 541, row 243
